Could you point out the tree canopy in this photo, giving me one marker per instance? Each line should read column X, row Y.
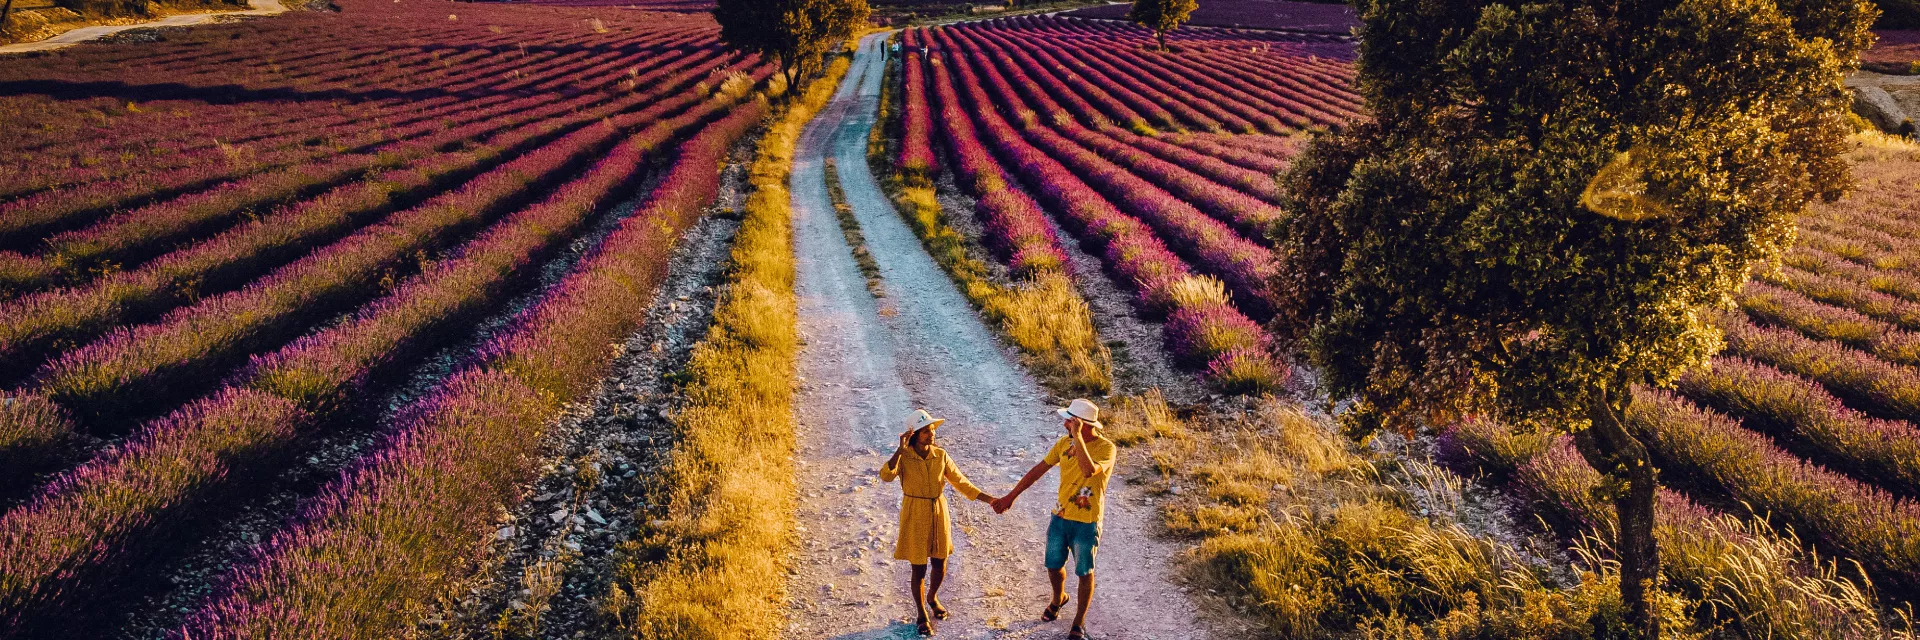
column 1549, row 201
column 795, row 32
column 1162, row 16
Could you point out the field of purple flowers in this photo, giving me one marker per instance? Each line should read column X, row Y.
column 211, row 264
column 1162, row 165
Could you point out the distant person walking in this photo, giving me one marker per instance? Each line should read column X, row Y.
column 924, row 471
column 1086, row 459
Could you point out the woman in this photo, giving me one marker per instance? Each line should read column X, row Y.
column 924, row 471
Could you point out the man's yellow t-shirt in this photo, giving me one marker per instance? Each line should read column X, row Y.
column 1082, row 498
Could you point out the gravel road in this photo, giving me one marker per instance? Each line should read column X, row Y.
column 87, row 34
column 866, row 363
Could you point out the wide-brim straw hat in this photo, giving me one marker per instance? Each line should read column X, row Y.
column 920, row 419
column 1083, row 409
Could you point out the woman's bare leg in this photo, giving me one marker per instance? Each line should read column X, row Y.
column 919, row 600
column 933, row 587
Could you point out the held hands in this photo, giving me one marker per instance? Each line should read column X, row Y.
column 1001, row 504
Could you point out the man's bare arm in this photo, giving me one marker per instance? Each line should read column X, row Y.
column 1033, row 475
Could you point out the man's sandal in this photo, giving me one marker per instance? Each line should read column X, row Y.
column 1077, row 634
column 1053, row 611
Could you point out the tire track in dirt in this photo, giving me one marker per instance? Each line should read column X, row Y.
column 865, row 364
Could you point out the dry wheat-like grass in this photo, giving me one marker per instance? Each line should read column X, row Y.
column 1316, row 537
column 712, row 567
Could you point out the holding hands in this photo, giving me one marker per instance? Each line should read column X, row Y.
column 1001, row 505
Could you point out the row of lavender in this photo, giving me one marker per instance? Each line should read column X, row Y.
column 190, row 156
column 1181, row 218
column 318, row 306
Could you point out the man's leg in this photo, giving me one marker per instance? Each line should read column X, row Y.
column 1086, row 542
column 1058, row 577
column 1086, row 596
column 1058, row 539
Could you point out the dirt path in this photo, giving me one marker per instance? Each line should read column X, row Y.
column 84, row 34
column 866, row 363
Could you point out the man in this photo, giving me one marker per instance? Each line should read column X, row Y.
column 1085, row 458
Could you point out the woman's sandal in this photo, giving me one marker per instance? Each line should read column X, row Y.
column 926, row 627
column 939, row 612
column 1053, row 611
column 1077, row 634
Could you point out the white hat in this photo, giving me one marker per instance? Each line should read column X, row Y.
column 1081, row 408
column 920, row 419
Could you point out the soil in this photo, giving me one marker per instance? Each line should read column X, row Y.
column 865, row 364
column 553, row 553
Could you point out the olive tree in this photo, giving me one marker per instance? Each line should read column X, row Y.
column 795, row 32
column 1162, row 16
column 1546, row 204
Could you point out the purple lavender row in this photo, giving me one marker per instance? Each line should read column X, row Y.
column 322, row 370
column 1707, row 555
column 1040, row 84
column 916, row 138
column 1264, row 163
column 1774, row 306
column 134, row 236
column 1843, row 292
column 32, row 217
column 1845, row 517
column 33, row 326
column 1799, row 413
column 1257, row 183
column 1017, row 228
column 129, row 372
column 318, row 375
column 1245, row 266
column 1900, row 285
column 1203, row 330
column 199, row 141
column 388, row 536
column 1879, row 388
column 1122, row 104
column 1248, row 214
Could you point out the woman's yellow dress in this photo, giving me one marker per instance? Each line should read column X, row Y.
column 924, row 524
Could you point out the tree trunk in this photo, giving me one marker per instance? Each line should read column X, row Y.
column 5, row 10
column 1612, row 450
column 1162, row 35
column 786, row 70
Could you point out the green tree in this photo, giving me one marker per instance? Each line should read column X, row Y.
column 1546, row 204
column 795, row 32
column 1162, row 16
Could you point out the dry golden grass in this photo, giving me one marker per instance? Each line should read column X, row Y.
column 714, row 567
column 1314, row 537
column 1744, row 579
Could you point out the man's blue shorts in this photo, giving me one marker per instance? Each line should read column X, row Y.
column 1082, row 537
